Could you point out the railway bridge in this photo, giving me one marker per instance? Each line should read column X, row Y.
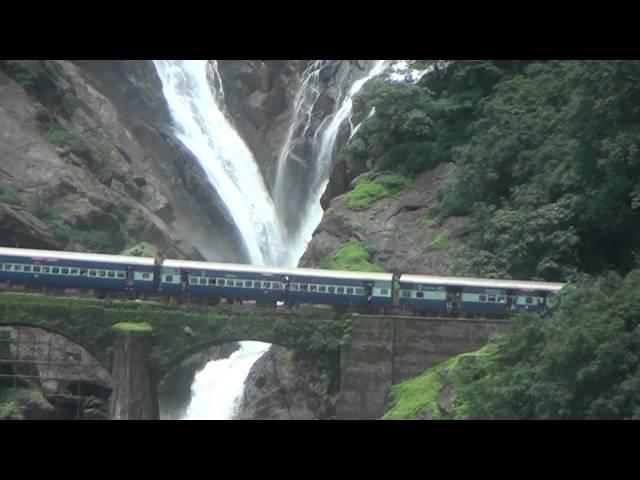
column 139, row 342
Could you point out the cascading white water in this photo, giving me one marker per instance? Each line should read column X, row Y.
column 303, row 103
column 217, row 389
column 193, row 90
column 229, row 164
column 323, row 150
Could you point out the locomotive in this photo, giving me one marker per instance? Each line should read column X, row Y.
column 213, row 281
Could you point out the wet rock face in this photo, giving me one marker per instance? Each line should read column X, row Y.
column 19, row 228
column 283, row 385
column 80, row 139
column 52, row 377
column 403, row 229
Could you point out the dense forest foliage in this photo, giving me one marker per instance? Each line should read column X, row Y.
column 581, row 363
column 548, row 156
column 549, row 171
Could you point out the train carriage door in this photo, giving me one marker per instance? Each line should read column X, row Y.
column 512, row 297
column 184, row 283
column 368, row 291
column 157, row 271
column 128, row 279
column 184, row 279
column 454, row 300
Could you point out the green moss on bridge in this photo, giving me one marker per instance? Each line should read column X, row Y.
column 128, row 327
column 177, row 331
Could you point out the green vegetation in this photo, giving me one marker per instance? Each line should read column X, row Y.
column 430, row 222
column 99, row 241
column 548, row 157
column 59, row 135
column 68, row 106
column 14, row 401
column 369, row 190
column 353, row 256
column 581, row 363
column 104, row 145
column 418, row 397
column 142, row 249
column 128, row 327
column 18, row 73
column 9, row 194
column 439, row 242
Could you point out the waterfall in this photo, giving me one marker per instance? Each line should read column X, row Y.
column 228, row 163
column 322, row 151
column 196, row 99
column 217, row 388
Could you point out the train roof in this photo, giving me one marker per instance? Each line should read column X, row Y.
column 482, row 282
column 88, row 257
column 311, row 272
column 230, row 267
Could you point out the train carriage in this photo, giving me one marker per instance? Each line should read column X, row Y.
column 76, row 270
column 210, row 280
column 222, row 280
column 458, row 295
column 340, row 288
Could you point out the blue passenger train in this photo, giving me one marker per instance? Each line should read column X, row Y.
column 212, row 281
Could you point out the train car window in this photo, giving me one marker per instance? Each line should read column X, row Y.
column 529, row 300
column 193, row 281
column 111, row 274
column 313, row 288
column 17, row 268
column 203, row 281
column 92, row 273
column 238, row 283
column 384, row 291
column 27, row 268
column 6, row 266
column 248, row 283
column 45, row 269
column 266, row 284
column 168, row 278
column 120, row 275
column 55, row 270
column 64, row 271
column 212, row 281
column 482, row 298
column 502, row 299
column 294, row 286
column 102, row 273
column 359, row 291
column 322, row 289
column 406, row 293
column 492, row 298
column 145, row 276
column 419, row 294
column 36, row 269
column 73, row 271
column 220, row 282
column 331, row 289
column 340, row 290
column 349, row 291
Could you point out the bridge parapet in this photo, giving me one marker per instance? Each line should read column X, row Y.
column 390, row 349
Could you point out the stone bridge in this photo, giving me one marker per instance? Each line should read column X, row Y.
column 140, row 342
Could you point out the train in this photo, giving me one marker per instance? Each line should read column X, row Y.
column 212, row 282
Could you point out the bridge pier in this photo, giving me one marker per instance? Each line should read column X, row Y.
column 387, row 351
column 133, row 393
